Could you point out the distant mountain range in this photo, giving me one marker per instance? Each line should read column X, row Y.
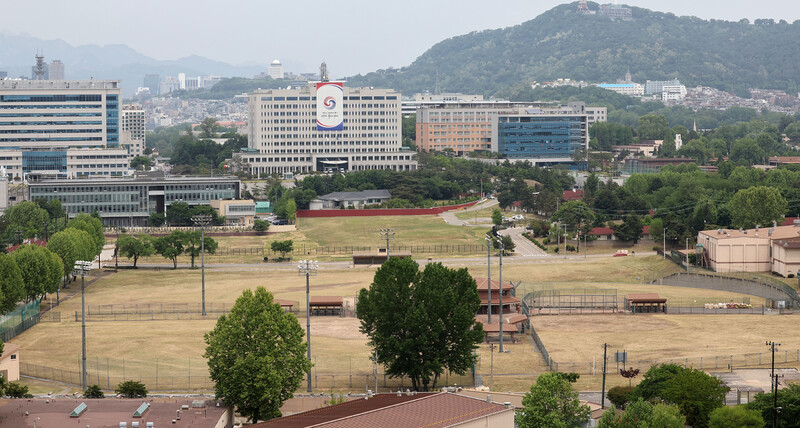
column 107, row 62
column 564, row 42
column 561, row 42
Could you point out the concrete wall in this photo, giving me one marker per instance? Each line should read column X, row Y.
column 499, row 420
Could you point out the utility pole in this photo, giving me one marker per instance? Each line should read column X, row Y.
column 687, row 255
column 772, row 346
column 202, row 220
column 603, row 390
column 491, row 371
column 665, row 243
column 308, row 268
column 501, row 312
column 387, row 234
column 489, row 273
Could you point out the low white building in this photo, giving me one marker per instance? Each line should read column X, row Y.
column 350, row 199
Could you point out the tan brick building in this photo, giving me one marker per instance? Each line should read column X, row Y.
column 775, row 249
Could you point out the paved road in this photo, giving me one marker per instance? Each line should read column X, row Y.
column 451, row 219
column 523, row 246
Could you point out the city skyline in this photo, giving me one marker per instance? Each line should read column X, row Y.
column 265, row 33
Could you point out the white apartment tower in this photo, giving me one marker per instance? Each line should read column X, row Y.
column 275, row 70
column 284, row 136
column 132, row 121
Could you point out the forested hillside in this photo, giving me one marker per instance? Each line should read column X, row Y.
column 732, row 56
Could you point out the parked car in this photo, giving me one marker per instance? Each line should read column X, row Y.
column 518, row 217
column 279, row 221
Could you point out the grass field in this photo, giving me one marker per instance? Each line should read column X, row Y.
column 338, row 347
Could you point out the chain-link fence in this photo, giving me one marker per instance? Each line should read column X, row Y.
column 191, row 375
column 19, row 320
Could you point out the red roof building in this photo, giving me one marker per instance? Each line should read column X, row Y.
column 402, row 410
column 572, row 195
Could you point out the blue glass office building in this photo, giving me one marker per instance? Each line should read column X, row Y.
column 540, row 136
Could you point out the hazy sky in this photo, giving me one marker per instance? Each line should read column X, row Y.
column 352, row 36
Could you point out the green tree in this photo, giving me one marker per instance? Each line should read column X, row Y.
column 131, row 389
column 735, row 417
column 497, row 217
column 94, row 227
column 256, row 356
column 133, row 247
column 171, row 246
column 94, row 391
column 421, row 323
column 209, row 128
column 747, row 152
column 630, row 229
column 291, row 210
column 757, row 205
column 179, row 214
column 551, row 403
column 282, row 247
column 643, row 414
column 575, row 214
column 12, row 286
column 694, row 392
column 260, row 225
column 192, row 244
column 652, row 127
column 657, row 229
column 16, row 390
column 141, row 163
column 41, row 270
column 71, row 245
column 27, row 217
column 508, row 244
column 156, row 220
column 788, row 401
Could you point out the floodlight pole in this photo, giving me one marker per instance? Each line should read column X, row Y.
column 308, row 268
column 489, row 273
column 202, row 220
column 82, row 267
column 687, row 255
column 387, row 233
column 603, row 390
column 665, row 244
column 501, row 312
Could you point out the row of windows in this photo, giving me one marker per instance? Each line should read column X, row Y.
column 50, row 131
column 127, row 188
column 52, row 123
column 350, row 98
column 53, row 98
column 308, row 159
column 19, row 115
column 63, row 106
column 33, row 140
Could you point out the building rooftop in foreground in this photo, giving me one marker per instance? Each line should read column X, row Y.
column 109, row 412
column 430, row 410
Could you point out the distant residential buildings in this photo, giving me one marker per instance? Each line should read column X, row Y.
column 629, row 89
column 611, row 11
column 132, row 127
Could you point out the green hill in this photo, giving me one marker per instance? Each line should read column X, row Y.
column 562, row 42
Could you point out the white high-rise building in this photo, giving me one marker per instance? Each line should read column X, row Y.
column 275, row 70
column 132, row 119
column 181, row 80
column 284, row 137
column 64, row 128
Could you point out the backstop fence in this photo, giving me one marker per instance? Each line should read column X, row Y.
column 19, row 320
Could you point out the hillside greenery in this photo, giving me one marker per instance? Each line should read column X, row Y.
column 731, row 56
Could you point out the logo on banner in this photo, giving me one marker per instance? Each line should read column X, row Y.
column 330, row 116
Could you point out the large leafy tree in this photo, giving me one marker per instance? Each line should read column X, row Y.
column 256, row 355
column 94, row 227
column 27, row 217
column 192, row 244
column 735, row 417
column 421, row 323
column 134, row 247
column 652, row 127
column 643, row 414
column 171, row 246
column 551, row 403
column 11, row 285
column 758, row 205
column 575, row 214
column 41, row 270
column 71, row 245
column 788, row 401
column 630, row 229
column 695, row 392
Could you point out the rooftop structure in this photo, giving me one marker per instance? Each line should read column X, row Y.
column 430, row 410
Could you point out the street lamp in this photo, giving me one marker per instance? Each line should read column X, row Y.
column 501, row 312
column 202, row 220
column 772, row 347
column 489, row 272
column 687, row 255
column 387, row 234
column 308, row 268
column 82, row 267
column 665, row 244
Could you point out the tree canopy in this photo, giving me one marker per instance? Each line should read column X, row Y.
column 552, row 403
column 41, row 270
column 758, row 205
column 421, row 323
column 133, row 247
column 256, row 356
